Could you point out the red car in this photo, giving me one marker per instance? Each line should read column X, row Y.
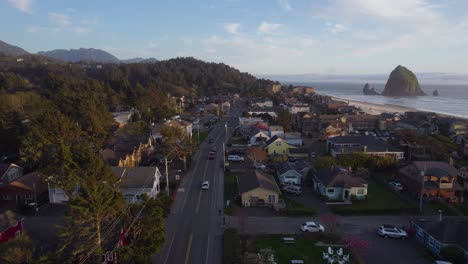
column 211, row 156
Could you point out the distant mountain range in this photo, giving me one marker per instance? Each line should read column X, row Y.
column 74, row 55
column 8, row 49
column 424, row 77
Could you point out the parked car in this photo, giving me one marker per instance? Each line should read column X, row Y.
column 211, row 156
column 312, row 154
column 235, row 158
column 293, row 189
column 259, row 166
column 205, row 185
column 389, row 231
column 312, row 227
column 396, row 185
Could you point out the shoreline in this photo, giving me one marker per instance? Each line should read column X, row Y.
column 376, row 109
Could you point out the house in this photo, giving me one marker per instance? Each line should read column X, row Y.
column 294, row 172
column 127, row 152
column 276, row 131
column 297, row 108
column 26, row 189
column 256, row 187
column 293, row 138
column 463, row 177
column 263, row 111
column 262, row 103
column 338, row 183
column 459, row 126
column 258, row 137
column 247, row 122
column 422, row 126
column 343, row 145
column 9, row 172
column 440, row 179
column 122, row 118
column 308, row 124
column 361, row 122
column 435, row 234
column 11, row 225
column 277, row 146
column 185, row 126
column 138, row 180
column 462, row 144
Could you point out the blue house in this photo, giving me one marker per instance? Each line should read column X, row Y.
column 437, row 233
column 338, row 183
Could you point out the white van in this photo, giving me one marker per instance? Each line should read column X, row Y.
column 235, row 158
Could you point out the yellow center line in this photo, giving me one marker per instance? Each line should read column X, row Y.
column 187, row 253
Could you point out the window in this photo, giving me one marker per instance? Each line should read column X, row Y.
column 420, row 232
column 278, row 144
column 437, row 246
column 431, row 242
column 28, row 197
column 330, row 190
column 360, row 191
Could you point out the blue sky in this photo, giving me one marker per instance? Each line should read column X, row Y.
column 258, row 36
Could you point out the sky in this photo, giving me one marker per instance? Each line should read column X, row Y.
column 256, row 36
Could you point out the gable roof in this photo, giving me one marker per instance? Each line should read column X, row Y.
column 276, row 128
column 3, row 168
column 254, row 179
column 285, row 167
column 135, row 177
column 435, row 168
column 339, row 177
column 31, row 182
column 447, row 231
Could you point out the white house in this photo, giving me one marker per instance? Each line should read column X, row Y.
column 138, row 180
column 287, row 174
column 263, row 103
column 297, row 108
column 258, row 137
column 276, row 131
column 134, row 182
column 342, row 145
column 245, row 122
column 338, row 183
column 293, row 138
column 263, row 110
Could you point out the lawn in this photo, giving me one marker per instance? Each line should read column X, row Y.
column 438, row 205
column 294, row 208
column 237, row 141
column 380, row 200
column 304, row 248
column 462, row 207
column 230, row 190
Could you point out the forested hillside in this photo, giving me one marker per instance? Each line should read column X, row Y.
column 85, row 94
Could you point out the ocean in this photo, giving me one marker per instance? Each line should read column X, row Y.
column 452, row 99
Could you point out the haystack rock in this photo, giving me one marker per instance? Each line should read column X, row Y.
column 402, row 82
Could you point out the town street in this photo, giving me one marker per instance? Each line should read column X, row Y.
column 193, row 228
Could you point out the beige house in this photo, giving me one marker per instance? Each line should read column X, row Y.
column 257, row 188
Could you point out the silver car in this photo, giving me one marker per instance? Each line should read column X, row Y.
column 389, row 231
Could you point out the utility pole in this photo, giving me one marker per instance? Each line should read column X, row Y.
column 198, row 132
column 224, row 156
column 167, row 176
column 225, row 125
column 422, row 189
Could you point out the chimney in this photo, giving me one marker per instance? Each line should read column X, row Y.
column 440, row 215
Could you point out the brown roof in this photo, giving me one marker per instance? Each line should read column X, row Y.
column 30, row 182
column 254, row 179
column 432, row 168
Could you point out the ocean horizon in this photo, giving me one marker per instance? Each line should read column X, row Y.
column 452, row 99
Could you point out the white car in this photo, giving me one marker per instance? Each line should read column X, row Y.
column 205, row 185
column 293, row 189
column 312, row 227
column 235, row 158
column 259, row 166
column 396, row 185
column 392, row 231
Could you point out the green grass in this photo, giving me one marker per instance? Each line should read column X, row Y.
column 203, row 136
column 304, row 247
column 462, row 207
column 231, row 246
column 294, row 208
column 230, row 190
column 438, row 205
column 237, row 141
column 380, row 200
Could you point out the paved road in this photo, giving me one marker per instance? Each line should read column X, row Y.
column 193, row 228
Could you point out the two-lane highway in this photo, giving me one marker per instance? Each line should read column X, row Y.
column 194, row 233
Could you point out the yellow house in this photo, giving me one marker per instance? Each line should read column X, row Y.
column 277, row 146
column 256, row 187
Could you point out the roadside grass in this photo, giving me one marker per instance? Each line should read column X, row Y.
column 379, row 201
column 231, row 246
column 237, row 141
column 462, row 207
column 230, row 191
column 203, row 136
column 304, row 247
column 438, row 205
column 294, row 208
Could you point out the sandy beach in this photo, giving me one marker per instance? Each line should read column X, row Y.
column 376, row 109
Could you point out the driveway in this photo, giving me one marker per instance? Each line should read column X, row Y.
column 382, row 251
column 310, row 199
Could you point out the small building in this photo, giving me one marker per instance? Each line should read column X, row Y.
column 338, row 183
column 298, row 108
column 463, row 177
column 343, row 145
column 293, row 138
column 276, row 131
column 258, row 138
column 24, row 190
column 277, row 146
column 256, row 187
column 137, row 181
column 462, row 144
column 293, row 172
column 262, row 103
column 440, row 179
column 263, row 111
column 435, row 234
column 247, row 122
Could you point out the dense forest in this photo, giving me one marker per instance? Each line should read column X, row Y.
column 86, row 93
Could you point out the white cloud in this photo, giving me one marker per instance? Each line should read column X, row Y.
column 268, row 28
column 81, row 29
column 335, row 28
column 94, row 20
column 285, row 5
column 60, row 20
column 22, row 5
column 232, row 28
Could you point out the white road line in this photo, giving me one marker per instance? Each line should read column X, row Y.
column 187, row 253
column 208, row 248
column 169, row 250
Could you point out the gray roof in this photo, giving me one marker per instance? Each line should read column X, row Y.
column 135, row 177
column 271, row 140
column 448, row 231
column 297, row 166
column 373, row 144
column 254, row 179
column 339, row 177
column 436, row 168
